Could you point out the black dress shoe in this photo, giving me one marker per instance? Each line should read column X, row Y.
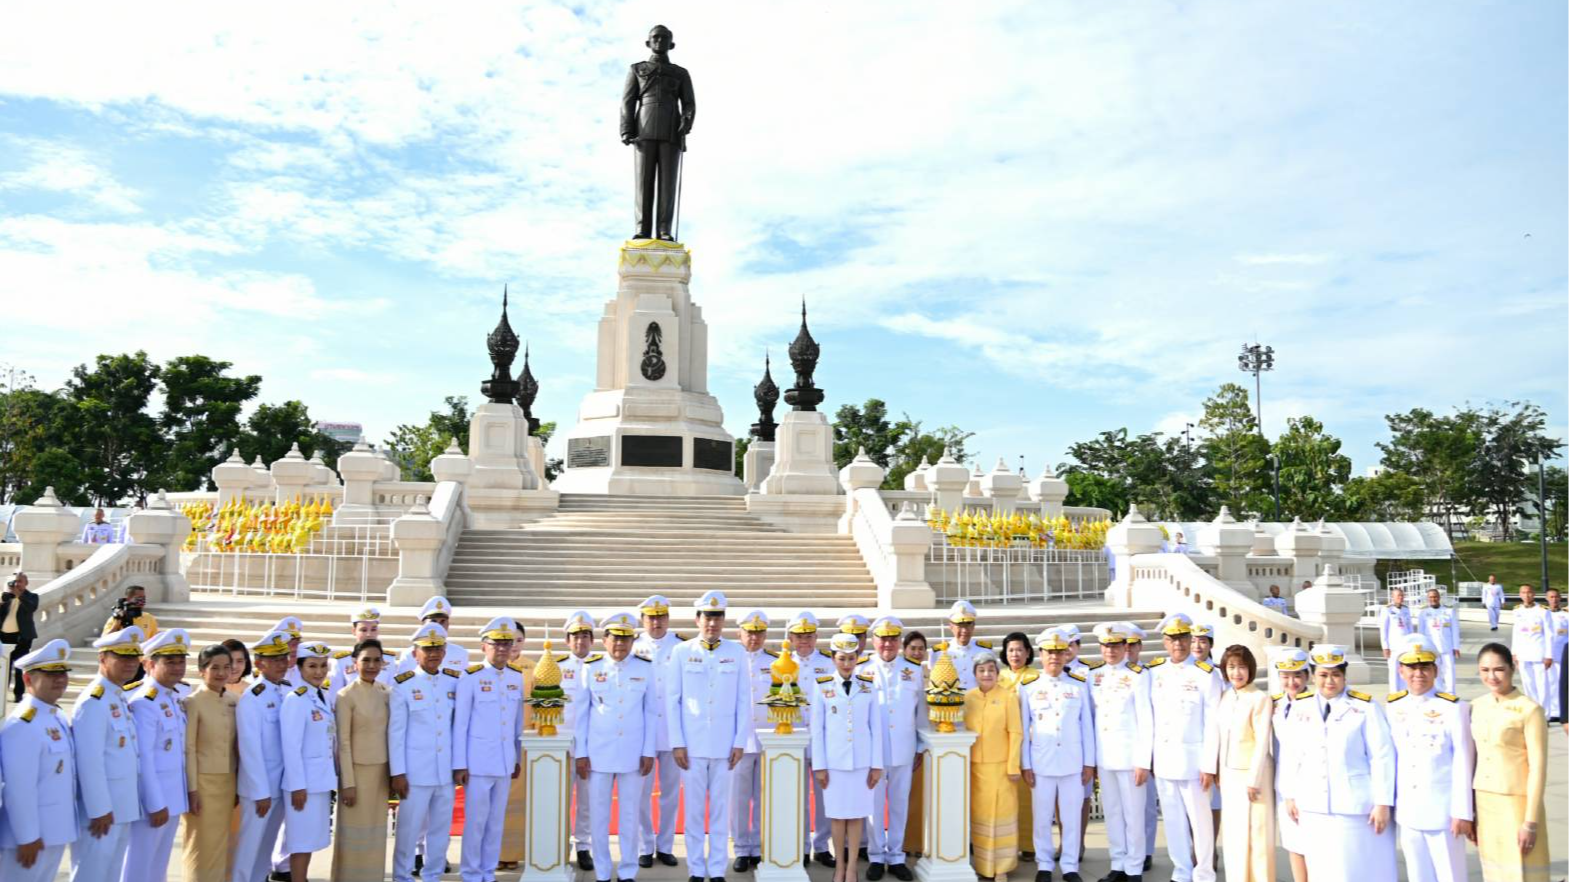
column 666, row 858
column 1138, row 878
column 901, row 872
column 419, row 863
column 874, row 871
column 1043, row 876
column 1072, row 877
column 716, row 879
column 756, row 861
column 585, row 861
column 281, row 876
column 1114, row 876
column 694, row 879
column 1026, row 857
column 862, row 854
column 645, row 860
column 826, row 859
column 1149, row 861
column 741, row 864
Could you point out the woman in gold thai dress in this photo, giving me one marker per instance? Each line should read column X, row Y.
column 1510, row 732
column 211, row 762
column 359, row 852
column 1018, row 655
column 992, row 711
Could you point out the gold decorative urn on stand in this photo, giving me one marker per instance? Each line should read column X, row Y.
column 785, row 698
column 547, row 698
column 944, row 695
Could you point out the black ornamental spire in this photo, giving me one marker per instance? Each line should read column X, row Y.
column 803, row 357
column 528, row 390
column 766, row 394
column 503, row 346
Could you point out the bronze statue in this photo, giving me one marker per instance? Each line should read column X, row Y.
column 657, row 107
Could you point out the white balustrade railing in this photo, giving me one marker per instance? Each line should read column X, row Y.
column 76, row 604
column 1175, row 583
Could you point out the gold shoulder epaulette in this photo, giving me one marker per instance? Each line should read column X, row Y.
column 828, row 679
column 681, row 637
column 403, row 677
column 1157, row 662
column 299, row 691
column 563, row 657
column 1206, row 667
column 1078, row 676
column 476, row 668
column 593, row 657
column 1095, row 663
column 825, row 653
column 942, row 647
column 454, row 673
column 772, row 652
column 152, row 693
column 1306, row 693
column 642, row 658
column 1359, row 696
column 131, row 687
column 343, row 653
column 1136, row 667
column 864, row 659
column 28, row 714
column 865, row 678
column 1396, row 696
column 1276, row 696
column 984, row 644
column 1447, row 696
column 98, row 691
column 259, row 688
column 1029, row 676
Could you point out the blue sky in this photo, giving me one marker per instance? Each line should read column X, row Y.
column 1033, row 220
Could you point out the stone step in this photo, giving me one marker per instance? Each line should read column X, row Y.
column 667, row 570
column 683, row 539
column 738, row 555
column 570, row 501
column 461, row 585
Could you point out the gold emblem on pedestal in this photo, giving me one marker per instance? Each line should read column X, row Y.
column 547, row 698
column 944, row 695
column 784, row 699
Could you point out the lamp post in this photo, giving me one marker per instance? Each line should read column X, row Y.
column 1541, row 515
column 1274, row 468
column 1256, row 359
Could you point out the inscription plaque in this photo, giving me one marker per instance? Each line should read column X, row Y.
column 708, row 453
column 651, row 450
column 588, row 453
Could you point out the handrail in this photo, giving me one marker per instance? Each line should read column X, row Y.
column 447, row 505
column 1175, row 583
column 870, row 523
column 77, row 603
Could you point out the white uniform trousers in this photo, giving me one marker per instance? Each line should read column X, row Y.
column 1190, row 830
column 746, row 806
column 44, row 868
column 580, row 835
column 599, row 791
column 1061, row 796
column 253, row 858
column 1555, row 679
column 668, row 775
column 1122, row 802
column 95, row 859
column 1492, row 617
column 707, row 781
column 819, row 833
column 1396, row 682
column 1446, row 672
column 484, row 812
column 1354, row 851
column 1433, row 855
column 892, row 791
column 1151, row 815
column 1533, row 682
column 424, row 817
column 147, row 855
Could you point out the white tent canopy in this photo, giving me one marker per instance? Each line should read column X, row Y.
column 1388, row 540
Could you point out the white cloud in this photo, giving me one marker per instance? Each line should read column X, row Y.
column 58, row 167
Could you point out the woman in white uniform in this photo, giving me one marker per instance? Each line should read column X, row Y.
column 1291, row 669
column 1342, row 785
column 847, row 749
column 310, row 774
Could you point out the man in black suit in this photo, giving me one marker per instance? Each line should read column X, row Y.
column 657, row 108
column 17, row 605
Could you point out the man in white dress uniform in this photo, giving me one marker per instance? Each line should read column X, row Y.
column 1124, row 739
column 160, row 740
column 1431, row 730
column 655, row 645
column 901, row 696
column 1057, row 758
column 106, row 760
column 38, row 818
column 746, row 791
column 614, row 741
column 419, row 754
column 1185, row 696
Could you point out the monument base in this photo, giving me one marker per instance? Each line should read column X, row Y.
column 650, row 442
column 803, row 457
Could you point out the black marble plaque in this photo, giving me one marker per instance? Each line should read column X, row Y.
column 588, row 453
column 708, row 453
column 662, row 451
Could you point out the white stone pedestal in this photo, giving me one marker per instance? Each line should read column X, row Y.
column 547, row 771
column 756, row 464
column 785, row 806
column 498, row 447
column 946, row 837
column 803, row 457
column 650, row 428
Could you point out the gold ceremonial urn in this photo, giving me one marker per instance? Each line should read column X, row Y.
column 785, row 698
column 944, row 695
column 547, row 698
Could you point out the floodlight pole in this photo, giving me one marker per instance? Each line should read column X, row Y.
column 1541, row 516
column 1255, row 359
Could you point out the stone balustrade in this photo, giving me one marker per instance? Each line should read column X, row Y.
column 426, row 538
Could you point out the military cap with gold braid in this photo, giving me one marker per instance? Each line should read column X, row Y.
column 1328, row 655
column 1110, row 633
column 803, row 623
column 315, row 650
column 843, row 642
column 887, row 626
column 126, row 641
column 853, row 623
column 620, row 624
column 756, row 620
column 578, row 621
column 174, row 641
column 1175, row 625
column 655, row 605
column 711, row 602
column 290, row 625
column 368, row 614
column 1416, row 649
column 1052, row 639
column 1289, row 658
column 52, row 657
column 499, row 628
column 436, row 606
column 962, row 612
column 430, row 635
column 275, row 643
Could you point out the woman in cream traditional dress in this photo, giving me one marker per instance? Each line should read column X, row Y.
column 915, row 819
column 211, row 761
column 992, row 711
column 1018, row 655
column 1239, row 746
column 359, row 851
column 1510, row 732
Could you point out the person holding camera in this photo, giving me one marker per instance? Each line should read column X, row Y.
column 130, row 611
column 17, row 605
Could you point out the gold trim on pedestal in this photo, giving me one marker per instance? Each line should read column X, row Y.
column 763, row 819
column 561, row 832
column 937, row 803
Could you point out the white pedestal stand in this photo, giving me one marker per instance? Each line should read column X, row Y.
column 785, row 806
column 547, row 770
column 946, row 781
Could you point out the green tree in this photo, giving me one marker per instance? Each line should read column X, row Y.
column 919, row 446
column 1237, row 455
column 413, row 446
column 1163, row 474
column 1557, row 502
column 741, row 445
column 273, row 428
column 109, row 428
column 35, row 451
column 553, row 464
column 1511, row 441
column 870, row 428
column 1313, row 471
column 1387, row 496
column 201, row 418
column 1438, row 452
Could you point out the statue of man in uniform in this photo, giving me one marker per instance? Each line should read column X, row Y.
column 657, row 107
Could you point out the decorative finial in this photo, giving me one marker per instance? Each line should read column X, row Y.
column 502, row 344
column 766, row 394
column 528, row 390
column 803, row 357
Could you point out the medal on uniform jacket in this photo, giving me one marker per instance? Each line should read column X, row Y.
column 315, row 716
column 54, row 734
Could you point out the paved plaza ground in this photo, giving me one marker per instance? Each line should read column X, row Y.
column 1474, row 634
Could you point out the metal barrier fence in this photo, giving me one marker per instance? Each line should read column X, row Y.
column 336, row 566
column 1018, row 574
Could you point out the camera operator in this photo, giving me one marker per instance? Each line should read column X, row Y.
column 17, row 605
column 128, row 611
